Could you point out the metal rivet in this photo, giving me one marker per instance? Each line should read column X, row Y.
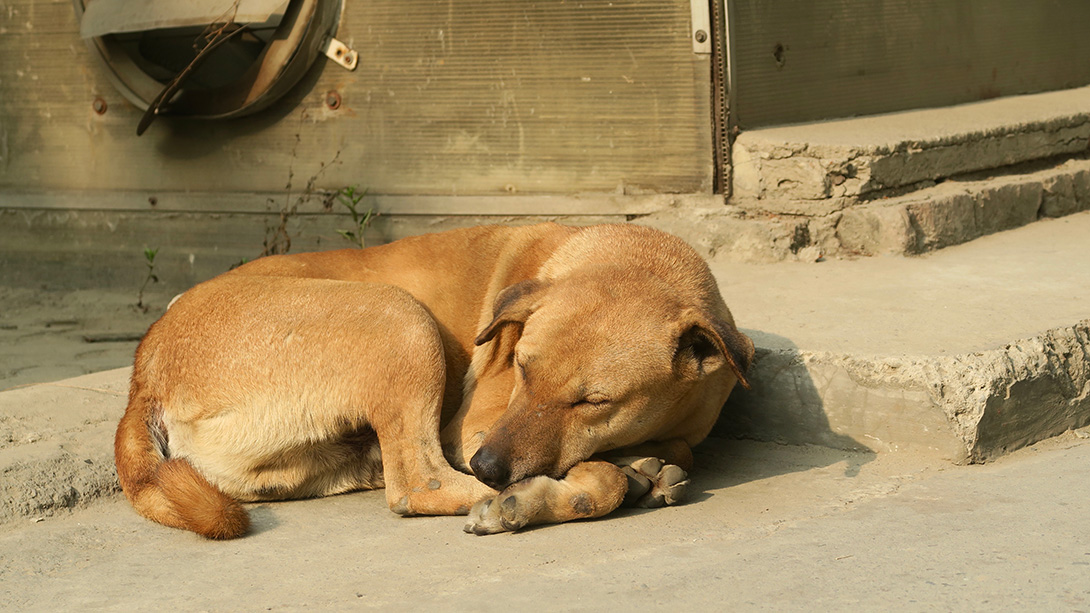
column 701, row 36
column 99, row 105
column 333, row 100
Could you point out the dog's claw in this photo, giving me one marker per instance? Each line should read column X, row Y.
column 638, row 485
column 652, row 484
column 513, row 509
column 478, row 521
column 494, row 515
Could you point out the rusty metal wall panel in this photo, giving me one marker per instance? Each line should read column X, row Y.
column 801, row 60
column 450, row 98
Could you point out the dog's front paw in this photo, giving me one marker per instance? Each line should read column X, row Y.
column 515, row 508
column 652, row 484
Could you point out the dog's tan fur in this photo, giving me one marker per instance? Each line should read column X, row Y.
column 540, row 349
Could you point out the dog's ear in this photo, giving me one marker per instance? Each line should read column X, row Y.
column 513, row 305
column 706, row 342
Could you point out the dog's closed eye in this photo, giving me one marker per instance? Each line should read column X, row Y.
column 593, row 400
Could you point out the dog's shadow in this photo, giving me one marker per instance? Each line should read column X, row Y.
column 262, row 518
column 778, row 427
column 723, row 463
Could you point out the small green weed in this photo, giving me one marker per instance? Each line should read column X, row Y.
column 350, row 197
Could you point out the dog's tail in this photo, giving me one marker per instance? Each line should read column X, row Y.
column 169, row 490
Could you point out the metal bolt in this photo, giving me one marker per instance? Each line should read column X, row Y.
column 99, row 105
column 333, row 100
column 701, row 36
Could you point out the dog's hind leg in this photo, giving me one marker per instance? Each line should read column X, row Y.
column 590, row 489
column 419, row 480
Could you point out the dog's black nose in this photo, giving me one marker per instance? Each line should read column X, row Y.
column 490, row 469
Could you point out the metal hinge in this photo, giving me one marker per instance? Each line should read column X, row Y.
column 340, row 53
column 701, row 32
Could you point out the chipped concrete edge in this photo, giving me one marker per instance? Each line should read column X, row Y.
column 967, row 409
column 771, row 170
column 955, row 212
column 951, row 213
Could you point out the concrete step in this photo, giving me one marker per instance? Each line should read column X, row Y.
column 818, row 168
column 951, row 212
column 962, row 209
column 966, row 353
column 901, row 183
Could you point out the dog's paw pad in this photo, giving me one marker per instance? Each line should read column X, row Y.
column 494, row 515
column 401, row 507
column 649, row 467
column 652, row 484
column 669, row 488
column 512, row 514
column 503, row 513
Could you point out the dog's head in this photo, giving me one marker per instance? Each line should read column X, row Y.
column 604, row 361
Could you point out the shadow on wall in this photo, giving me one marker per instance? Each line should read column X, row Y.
column 784, row 405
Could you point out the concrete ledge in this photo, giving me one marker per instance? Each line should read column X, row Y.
column 958, row 211
column 951, row 213
column 965, row 353
column 819, row 168
column 968, row 408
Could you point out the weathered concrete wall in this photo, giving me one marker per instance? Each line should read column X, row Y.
column 81, row 240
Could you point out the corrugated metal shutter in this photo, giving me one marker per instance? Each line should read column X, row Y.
column 450, row 98
column 531, row 96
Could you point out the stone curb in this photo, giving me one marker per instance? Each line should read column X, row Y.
column 810, row 168
column 958, row 211
column 967, row 409
column 950, row 213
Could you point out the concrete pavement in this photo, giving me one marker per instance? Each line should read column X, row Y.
column 769, row 527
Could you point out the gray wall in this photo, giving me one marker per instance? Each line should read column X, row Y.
column 801, row 60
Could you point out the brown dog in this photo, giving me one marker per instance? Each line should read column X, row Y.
column 545, row 347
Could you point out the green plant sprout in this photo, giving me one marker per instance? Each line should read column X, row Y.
column 151, row 277
column 351, row 198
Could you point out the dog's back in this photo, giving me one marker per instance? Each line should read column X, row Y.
column 248, row 376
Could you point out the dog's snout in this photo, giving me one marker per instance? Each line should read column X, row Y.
column 490, row 469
